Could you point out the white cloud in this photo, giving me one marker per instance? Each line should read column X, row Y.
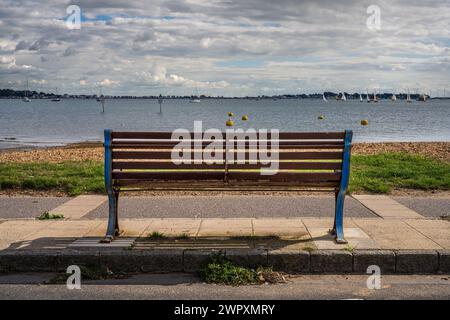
column 226, row 47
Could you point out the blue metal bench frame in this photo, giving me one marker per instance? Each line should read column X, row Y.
column 113, row 194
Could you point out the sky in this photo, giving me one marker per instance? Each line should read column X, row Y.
column 225, row 47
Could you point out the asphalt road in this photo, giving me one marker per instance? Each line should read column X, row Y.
column 188, row 287
column 430, row 207
column 231, row 206
column 28, row 207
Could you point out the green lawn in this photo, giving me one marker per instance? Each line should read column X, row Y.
column 382, row 172
column 71, row 177
column 370, row 173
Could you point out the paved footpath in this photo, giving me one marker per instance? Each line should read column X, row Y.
column 250, row 230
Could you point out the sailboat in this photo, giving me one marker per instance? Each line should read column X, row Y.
column 195, row 99
column 160, row 101
column 324, row 98
column 341, row 97
column 26, row 99
column 367, row 96
column 408, row 97
column 375, row 97
column 394, row 97
column 56, row 99
column 360, row 98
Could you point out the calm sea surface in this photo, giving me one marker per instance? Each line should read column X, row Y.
column 43, row 122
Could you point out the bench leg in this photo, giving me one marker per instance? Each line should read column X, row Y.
column 338, row 227
column 113, row 219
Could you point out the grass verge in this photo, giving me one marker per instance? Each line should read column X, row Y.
column 381, row 173
column 378, row 173
column 223, row 271
column 73, row 178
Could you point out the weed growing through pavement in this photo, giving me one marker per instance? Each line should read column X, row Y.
column 223, row 271
column 50, row 216
column 155, row 235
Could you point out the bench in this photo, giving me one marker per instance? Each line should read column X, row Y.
column 313, row 161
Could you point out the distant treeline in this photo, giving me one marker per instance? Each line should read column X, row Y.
column 11, row 94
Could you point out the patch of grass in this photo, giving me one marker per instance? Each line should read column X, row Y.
column 222, row 271
column 155, row 235
column 73, row 178
column 49, row 216
column 349, row 248
column 309, row 249
column 381, row 173
column 182, row 236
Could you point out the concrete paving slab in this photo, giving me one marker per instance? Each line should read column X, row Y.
column 174, row 227
column 79, row 206
column 357, row 239
column 240, row 227
column 193, row 244
column 20, row 229
column 63, row 228
column 395, row 234
column 129, row 228
column 326, row 222
column 94, row 242
column 282, row 228
column 386, row 207
column 436, row 230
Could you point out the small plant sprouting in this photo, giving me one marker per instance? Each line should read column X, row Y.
column 309, row 249
column 349, row 248
column 155, row 235
column 182, row 236
column 50, row 216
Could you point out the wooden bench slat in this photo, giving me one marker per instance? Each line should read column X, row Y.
column 170, row 165
column 223, row 186
column 282, row 135
column 232, row 175
column 325, row 155
column 221, row 142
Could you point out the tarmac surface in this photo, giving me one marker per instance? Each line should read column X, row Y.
column 27, row 207
column 222, row 206
column 190, row 287
column 229, row 206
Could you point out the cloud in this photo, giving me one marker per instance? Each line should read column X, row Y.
column 107, row 83
column 225, row 47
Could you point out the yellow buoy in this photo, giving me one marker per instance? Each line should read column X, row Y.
column 321, row 117
column 229, row 123
column 230, row 114
column 245, row 117
column 364, row 122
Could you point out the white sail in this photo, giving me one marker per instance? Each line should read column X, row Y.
column 360, row 98
column 27, row 89
column 324, row 98
column 344, row 98
column 408, row 97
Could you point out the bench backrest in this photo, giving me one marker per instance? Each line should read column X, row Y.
column 310, row 159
